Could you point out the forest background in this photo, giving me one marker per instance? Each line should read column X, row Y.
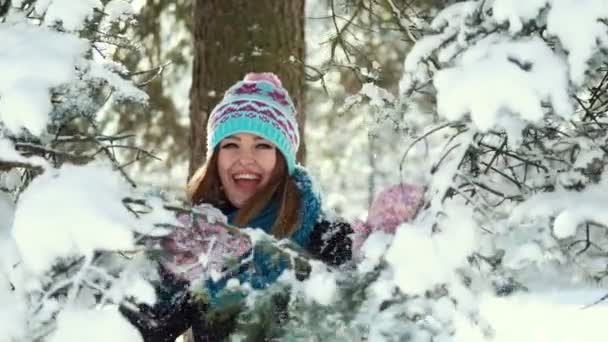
column 496, row 108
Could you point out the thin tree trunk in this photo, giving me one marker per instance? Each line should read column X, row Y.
column 233, row 37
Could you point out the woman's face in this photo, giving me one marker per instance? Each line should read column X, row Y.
column 245, row 163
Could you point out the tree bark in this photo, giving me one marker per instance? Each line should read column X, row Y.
column 234, row 37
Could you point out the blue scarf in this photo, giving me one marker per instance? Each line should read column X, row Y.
column 310, row 210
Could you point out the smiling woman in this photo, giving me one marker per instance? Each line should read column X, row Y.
column 251, row 173
column 251, row 176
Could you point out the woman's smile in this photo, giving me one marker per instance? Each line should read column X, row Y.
column 245, row 164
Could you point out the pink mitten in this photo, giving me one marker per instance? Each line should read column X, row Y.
column 361, row 231
column 393, row 206
column 199, row 248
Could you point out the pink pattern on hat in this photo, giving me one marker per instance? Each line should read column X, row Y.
column 263, row 76
column 279, row 97
column 247, row 88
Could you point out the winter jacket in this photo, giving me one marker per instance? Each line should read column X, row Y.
column 176, row 310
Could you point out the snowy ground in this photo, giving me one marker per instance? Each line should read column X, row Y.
column 552, row 316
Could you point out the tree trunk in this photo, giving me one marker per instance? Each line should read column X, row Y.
column 233, row 37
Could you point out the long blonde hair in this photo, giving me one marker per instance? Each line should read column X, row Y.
column 205, row 187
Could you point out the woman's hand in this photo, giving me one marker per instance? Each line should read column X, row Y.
column 393, row 206
column 390, row 208
column 199, row 248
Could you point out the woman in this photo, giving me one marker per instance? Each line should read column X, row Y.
column 252, row 177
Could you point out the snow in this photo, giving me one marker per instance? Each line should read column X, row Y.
column 9, row 256
column 523, row 255
column 499, row 76
column 421, row 259
column 71, row 14
column 376, row 94
column 587, row 156
column 75, row 210
column 125, row 90
column 119, row 10
column 133, row 285
column 503, row 81
column 516, row 12
column 13, row 309
column 7, row 209
column 454, row 15
column 444, row 177
column 372, row 250
column 32, row 61
column 321, row 286
column 570, row 208
column 576, row 24
column 103, row 325
column 11, row 179
column 558, row 315
column 9, row 154
column 579, row 34
column 424, row 48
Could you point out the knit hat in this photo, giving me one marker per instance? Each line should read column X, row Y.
column 258, row 105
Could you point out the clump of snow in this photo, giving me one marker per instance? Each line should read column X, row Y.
column 321, row 285
column 424, row 48
column 412, row 244
column 586, row 157
column 523, row 255
column 7, row 211
column 577, row 25
column 158, row 214
column 372, row 250
column 497, row 76
column 74, row 210
column 444, row 176
column 10, row 179
column 454, row 15
column 9, row 255
column 516, row 12
column 124, row 89
column 579, row 34
column 547, row 316
column 13, row 311
column 566, row 222
column 376, row 95
column 103, row 325
column 421, row 260
column 570, row 208
column 33, row 60
column 9, row 154
column 131, row 284
column 71, row 14
column 119, row 10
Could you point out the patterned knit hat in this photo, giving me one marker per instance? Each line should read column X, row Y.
column 258, row 105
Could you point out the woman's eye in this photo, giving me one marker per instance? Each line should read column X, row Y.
column 229, row 145
column 264, row 146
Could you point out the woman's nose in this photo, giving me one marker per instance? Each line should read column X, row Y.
column 246, row 157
